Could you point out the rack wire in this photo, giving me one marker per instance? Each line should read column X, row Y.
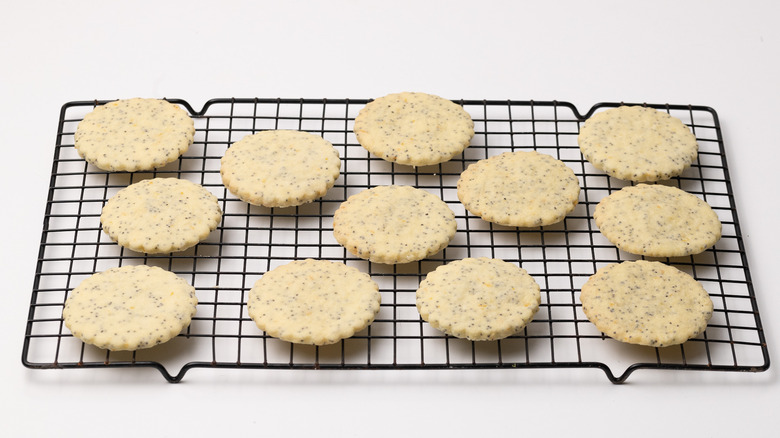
column 252, row 240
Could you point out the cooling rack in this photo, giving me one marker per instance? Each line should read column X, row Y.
column 252, row 240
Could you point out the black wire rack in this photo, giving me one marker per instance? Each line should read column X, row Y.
column 252, row 240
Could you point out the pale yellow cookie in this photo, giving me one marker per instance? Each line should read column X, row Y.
column 646, row 303
column 394, row 224
column 636, row 143
column 415, row 129
column 134, row 134
column 479, row 299
column 280, row 168
column 657, row 221
column 161, row 215
column 130, row 308
column 519, row 189
column 314, row 302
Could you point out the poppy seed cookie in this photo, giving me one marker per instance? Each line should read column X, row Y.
column 314, row 302
column 134, row 134
column 161, row 215
column 519, row 189
column 130, row 308
column 637, row 143
column 280, row 168
column 416, row 129
column 394, row 224
column 479, row 299
column 657, row 221
column 646, row 303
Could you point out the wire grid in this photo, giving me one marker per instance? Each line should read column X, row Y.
column 252, row 240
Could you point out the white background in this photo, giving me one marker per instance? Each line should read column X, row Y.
column 715, row 53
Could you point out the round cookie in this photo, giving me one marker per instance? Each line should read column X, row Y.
column 315, row 302
column 394, row 224
column 479, row 299
column 519, row 189
column 134, row 134
column 415, row 129
column 646, row 303
column 161, row 215
column 280, row 168
column 130, row 308
column 657, row 221
column 637, row 143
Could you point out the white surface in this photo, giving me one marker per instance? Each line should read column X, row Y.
column 720, row 54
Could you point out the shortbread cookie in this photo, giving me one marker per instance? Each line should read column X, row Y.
column 479, row 299
column 161, row 215
column 130, row 308
column 280, row 168
column 657, row 221
column 519, row 189
column 313, row 302
column 646, row 303
column 636, row 143
column 394, row 224
column 416, row 129
column 134, row 134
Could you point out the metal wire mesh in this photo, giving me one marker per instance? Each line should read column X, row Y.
column 252, row 240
